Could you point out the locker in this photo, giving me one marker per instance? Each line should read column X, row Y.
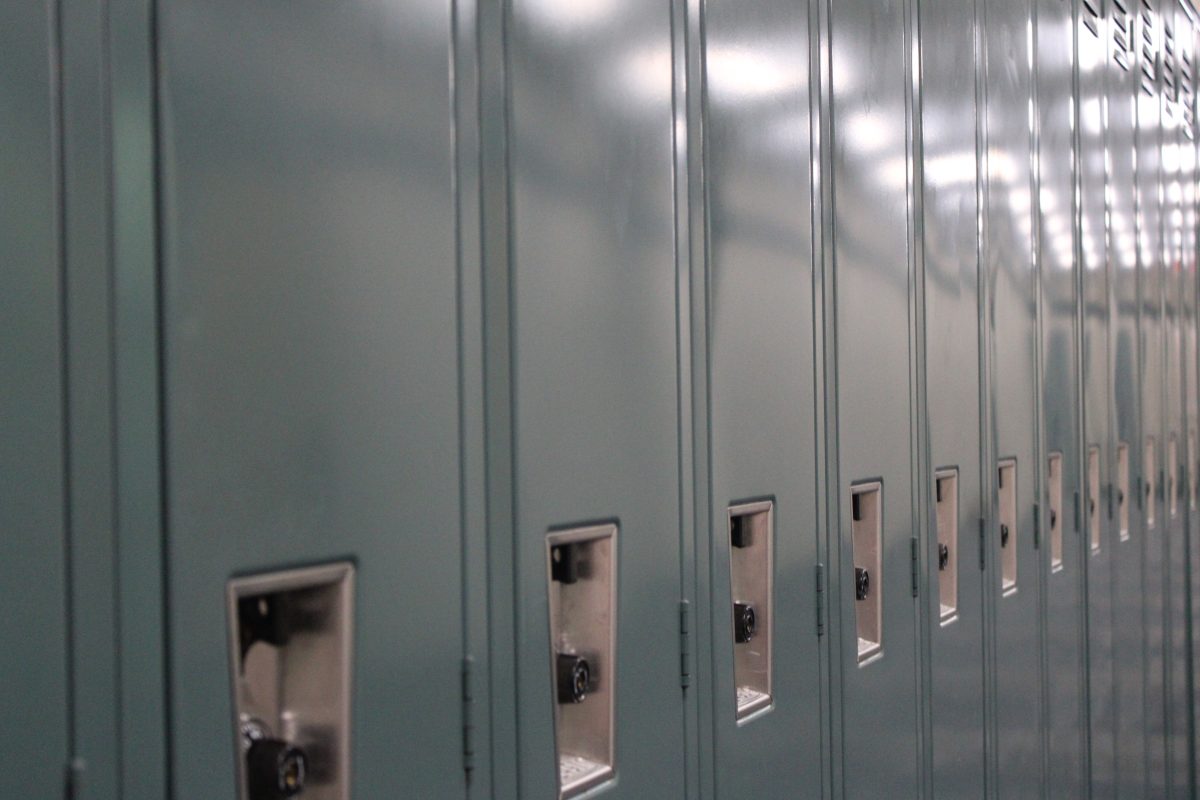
column 1187, row 165
column 34, row 694
column 311, row 397
column 1012, row 401
column 1094, row 35
column 1122, row 86
column 1177, row 424
column 1060, row 567
column 954, row 602
column 1148, row 147
column 873, row 492
column 594, row 359
column 761, row 396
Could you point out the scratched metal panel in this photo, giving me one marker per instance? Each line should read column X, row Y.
column 1153, row 377
column 33, row 659
column 761, row 392
column 1063, row 571
column 310, row 325
column 1129, row 674
column 595, row 358
column 1096, row 541
column 874, row 369
column 952, row 310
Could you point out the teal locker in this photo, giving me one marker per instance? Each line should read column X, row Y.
column 34, row 693
column 1129, row 672
column 311, row 395
column 1148, row 145
column 954, row 600
column 1178, row 718
column 1011, row 357
column 758, row 336
column 594, row 373
column 1097, row 539
column 1068, row 469
column 873, row 494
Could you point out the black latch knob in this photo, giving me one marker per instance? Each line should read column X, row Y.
column 275, row 770
column 862, row 583
column 943, row 557
column 740, row 534
column 1120, row 497
column 745, row 622
column 1003, row 535
column 574, row 678
column 1053, row 518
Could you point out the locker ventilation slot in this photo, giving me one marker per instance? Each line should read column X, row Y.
column 1092, row 19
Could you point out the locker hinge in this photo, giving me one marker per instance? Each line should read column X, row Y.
column 820, row 599
column 1108, row 489
column 1037, row 526
column 73, row 779
column 468, row 714
column 1162, row 484
column 982, row 543
column 685, row 643
column 1078, row 522
column 915, row 548
column 1139, row 492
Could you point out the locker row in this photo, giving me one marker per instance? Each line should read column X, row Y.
column 608, row 398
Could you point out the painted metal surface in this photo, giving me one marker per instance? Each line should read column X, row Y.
column 761, row 372
column 1176, row 604
column 1097, row 541
column 874, row 374
column 1012, row 352
column 1148, row 144
column 952, row 308
column 34, row 699
column 1056, row 240
column 311, row 359
column 596, row 432
column 1129, row 673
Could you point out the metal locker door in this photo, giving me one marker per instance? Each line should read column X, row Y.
column 1060, row 561
column 33, row 698
column 1148, row 146
column 871, row 409
column 1178, row 698
column 1187, row 36
column 761, row 394
column 1128, row 535
column 954, row 604
column 1096, row 541
column 311, row 395
column 594, row 360
column 1012, row 355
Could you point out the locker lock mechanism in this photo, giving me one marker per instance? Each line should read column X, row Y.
column 1053, row 518
column 745, row 622
column 275, row 769
column 1003, row 535
column 574, row 678
column 943, row 557
column 862, row 583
